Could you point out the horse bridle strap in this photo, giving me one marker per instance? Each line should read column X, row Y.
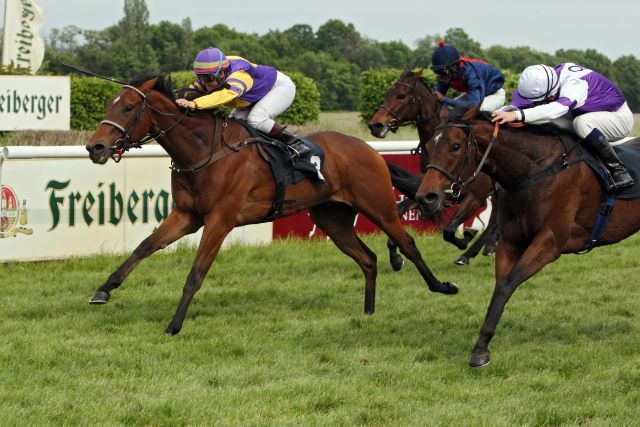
column 124, row 144
column 457, row 185
column 397, row 123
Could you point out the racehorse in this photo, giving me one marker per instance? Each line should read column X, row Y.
column 410, row 101
column 549, row 200
column 220, row 180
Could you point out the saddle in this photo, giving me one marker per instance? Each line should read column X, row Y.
column 286, row 167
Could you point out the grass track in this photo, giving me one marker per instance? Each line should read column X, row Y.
column 277, row 336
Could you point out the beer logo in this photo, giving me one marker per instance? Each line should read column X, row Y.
column 13, row 214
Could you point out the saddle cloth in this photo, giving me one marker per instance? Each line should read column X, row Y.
column 291, row 171
column 629, row 153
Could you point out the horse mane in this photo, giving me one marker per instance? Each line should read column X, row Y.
column 162, row 85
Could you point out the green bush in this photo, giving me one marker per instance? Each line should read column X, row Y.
column 89, row 96
column 375, row 83
column 306, row 106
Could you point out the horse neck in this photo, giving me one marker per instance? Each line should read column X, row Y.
column 429, row 114
column 189, row 141
column 516, row 154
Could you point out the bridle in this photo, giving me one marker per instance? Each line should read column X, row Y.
column 124, row 144
column 457, row 182
column 415, row 99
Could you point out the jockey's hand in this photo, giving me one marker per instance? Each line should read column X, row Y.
column 185, row 103
column 439, row 96
column 503, row 117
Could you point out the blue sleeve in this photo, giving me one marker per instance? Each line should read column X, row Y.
column 475, row 90
column 442, row 88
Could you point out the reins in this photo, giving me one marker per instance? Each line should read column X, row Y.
column 457, row 184
column 122, row 145
column 415, row 98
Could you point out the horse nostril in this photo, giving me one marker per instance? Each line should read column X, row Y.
column 430, row 198
column 375, row 127
column 95, row 148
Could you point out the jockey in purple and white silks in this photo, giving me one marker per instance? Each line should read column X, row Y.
column 258, row 93
column 576, row 98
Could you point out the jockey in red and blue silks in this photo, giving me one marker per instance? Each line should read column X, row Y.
column 258, row 93
column 480, row 83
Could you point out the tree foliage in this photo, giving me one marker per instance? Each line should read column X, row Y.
column 333, row 56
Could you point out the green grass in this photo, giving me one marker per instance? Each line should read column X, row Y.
column 277, row 336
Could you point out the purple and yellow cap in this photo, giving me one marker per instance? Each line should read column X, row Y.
column 210, row 61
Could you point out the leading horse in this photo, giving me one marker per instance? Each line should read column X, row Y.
column 410, row 101
column 220, row 181
column 549, row 201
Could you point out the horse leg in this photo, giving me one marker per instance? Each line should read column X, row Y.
column 215, row 230
column 513, row 267
column 177, row 225
column 336, row 220
column 392, row 226
column 487, row 237
column 395, row 259
column 467, row 208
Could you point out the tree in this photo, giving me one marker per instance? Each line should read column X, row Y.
column 173, row 45
column 589, row 58
column 626, row 73
column 396, row 54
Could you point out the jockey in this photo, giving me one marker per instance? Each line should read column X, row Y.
column 579, row 99
column 479, row 82
column 258, row 93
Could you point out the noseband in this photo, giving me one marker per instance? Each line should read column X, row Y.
column 124, row 144
column 415, row 99
column 457, row 183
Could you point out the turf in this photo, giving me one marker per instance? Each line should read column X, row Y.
column 277, row 336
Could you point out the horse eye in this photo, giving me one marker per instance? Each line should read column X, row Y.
column 401, row 96
column 455, row 147
column 129, row 107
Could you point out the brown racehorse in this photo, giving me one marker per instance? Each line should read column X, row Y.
column 542, row 210
column 410, row 101
column 220, row 181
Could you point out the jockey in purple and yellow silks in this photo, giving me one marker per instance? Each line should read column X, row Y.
column 578, row 99
column 258, row 93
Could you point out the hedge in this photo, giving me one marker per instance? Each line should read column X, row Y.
column 89, row 96
column 374, row 84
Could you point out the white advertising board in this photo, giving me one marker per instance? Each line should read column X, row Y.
column 35, row 102
column 57, row 204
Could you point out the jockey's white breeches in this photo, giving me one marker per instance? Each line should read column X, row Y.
column 261, row 115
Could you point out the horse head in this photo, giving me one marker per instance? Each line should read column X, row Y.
column 454, row 158
column 408, row 101
column 128, row 121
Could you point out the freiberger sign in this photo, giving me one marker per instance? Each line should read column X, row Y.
column 35, row 102
column 23, row 48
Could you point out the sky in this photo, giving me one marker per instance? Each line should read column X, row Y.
column 611, row 27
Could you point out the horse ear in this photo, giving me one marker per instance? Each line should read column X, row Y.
column 419, row 72
column 407, row 68
column 472, row 113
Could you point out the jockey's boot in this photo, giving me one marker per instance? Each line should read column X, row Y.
column 601, row 147
column 292, row 142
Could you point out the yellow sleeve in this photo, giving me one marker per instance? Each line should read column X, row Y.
column 239, row 83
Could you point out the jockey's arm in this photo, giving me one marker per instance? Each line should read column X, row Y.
column 239, row 82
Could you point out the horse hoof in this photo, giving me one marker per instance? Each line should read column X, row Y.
column 461, row 260
column 451, row 288
column 479, row 359
column 100, row 297
column 172, row 330
column 487, row 251
column 396, row 264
